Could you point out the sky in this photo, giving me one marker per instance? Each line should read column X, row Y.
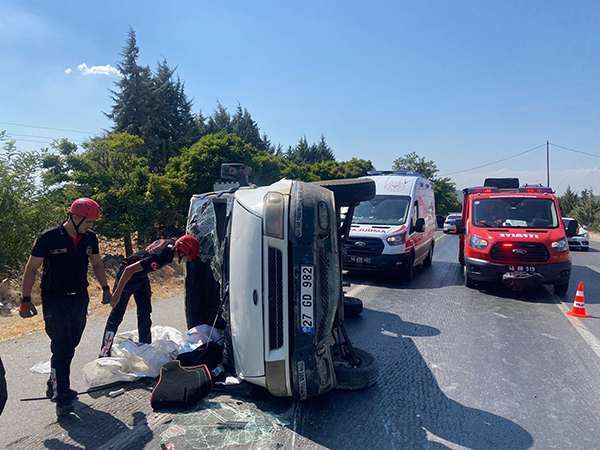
column 462, row 83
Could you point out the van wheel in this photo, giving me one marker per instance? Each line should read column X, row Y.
column 350, row 377
column 350, row 190
column 468, row 280
column 561, row 288
column 429, row 258
column 407, row 271
column 352, row 306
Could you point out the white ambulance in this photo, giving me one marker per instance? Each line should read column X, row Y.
column 395, row 230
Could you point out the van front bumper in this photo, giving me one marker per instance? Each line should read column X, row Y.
column 509, row 274
column 379, row 263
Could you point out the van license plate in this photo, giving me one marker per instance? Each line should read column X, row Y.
column 523, row 269
column 307, row 299
column 360, row 260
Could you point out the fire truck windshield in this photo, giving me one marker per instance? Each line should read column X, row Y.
column 515, row 213
column 382, row 210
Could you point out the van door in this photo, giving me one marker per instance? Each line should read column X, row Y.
column 417, row 238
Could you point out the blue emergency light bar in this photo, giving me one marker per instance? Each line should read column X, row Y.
column 405, row 173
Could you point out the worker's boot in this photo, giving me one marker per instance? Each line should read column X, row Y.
column 64, row 407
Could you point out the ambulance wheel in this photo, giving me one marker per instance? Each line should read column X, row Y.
column 469, row 282
column 352, row 377
column 352, row 306
column 561, row 288
column 350, row 191
column 429, row 258
column 407, row 270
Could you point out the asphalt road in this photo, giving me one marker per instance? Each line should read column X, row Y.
column 460, row 368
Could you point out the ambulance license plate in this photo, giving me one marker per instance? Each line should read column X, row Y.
column 522, row 269
column 307, row 299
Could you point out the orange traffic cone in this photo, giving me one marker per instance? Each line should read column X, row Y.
column 579, row 304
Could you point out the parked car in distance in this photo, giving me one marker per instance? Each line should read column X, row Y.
column 581, row 240
column 449, row 222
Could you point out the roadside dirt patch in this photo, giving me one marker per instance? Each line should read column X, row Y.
column 12, row 325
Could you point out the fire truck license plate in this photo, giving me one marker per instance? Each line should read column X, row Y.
column 523, row 269
column 307, row 299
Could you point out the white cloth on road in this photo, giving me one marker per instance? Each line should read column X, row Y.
column 131, row 360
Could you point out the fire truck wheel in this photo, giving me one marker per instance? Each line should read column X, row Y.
column 364, row 375
column 468, row 280
column 561, row 288
column 352, row 306
column 350, row 191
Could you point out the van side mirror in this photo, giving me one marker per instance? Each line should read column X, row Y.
column 572, row 228
column 459, row 226
column 419, row 225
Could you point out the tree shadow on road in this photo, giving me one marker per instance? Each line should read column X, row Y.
column 406, row 408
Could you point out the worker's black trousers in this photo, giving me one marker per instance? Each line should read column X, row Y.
column 139, row 287
column 65, row 318
column 3, row 391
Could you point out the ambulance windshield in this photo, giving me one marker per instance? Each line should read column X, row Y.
column 515, row 213
column 382, row 210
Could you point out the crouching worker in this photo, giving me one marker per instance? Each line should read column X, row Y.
column 65, row 251
column 132, row 278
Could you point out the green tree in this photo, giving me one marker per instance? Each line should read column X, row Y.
column 133, row 97
column 131, row 198
column 171, row 123
column 587, row 210
column 199, row 167
column 444, row 188
column 25, row 207
column 310, row 154
column 568, row 201
column 415, row 164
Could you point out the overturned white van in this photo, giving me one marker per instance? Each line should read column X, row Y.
column 395, row 230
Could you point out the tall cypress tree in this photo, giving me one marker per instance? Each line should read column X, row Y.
column 132, row 98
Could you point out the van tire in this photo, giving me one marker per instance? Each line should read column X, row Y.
column 561, row 288
column 360, row 377
column 429, row 258
column 407, row 271
column 469, row 282
column 352, row 306
column 350, row 191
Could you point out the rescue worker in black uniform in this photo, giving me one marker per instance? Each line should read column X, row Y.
column 132, row 279
column 65, row 251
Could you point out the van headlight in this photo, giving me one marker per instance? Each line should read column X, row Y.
column 273, row 219
column 478, row 243
column 560, row 246
column 396, row 240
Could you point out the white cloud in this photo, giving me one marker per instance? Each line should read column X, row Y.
column 68, row 71
column 98, row 70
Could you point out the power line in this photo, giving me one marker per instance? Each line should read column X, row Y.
column 495, row 162
column 46, row 128
column 41, row 137
column 576, row 151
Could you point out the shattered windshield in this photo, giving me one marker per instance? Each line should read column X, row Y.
column 382, row 210
column 515, row 213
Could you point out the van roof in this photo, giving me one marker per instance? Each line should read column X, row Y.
column 398, row 184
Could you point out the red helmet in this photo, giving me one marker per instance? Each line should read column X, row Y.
column 85, row 207
column 189, row 245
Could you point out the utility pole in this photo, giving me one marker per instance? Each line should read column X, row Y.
column 548, row 163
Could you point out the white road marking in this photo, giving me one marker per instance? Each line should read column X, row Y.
column 587, row 336
column 443, row 235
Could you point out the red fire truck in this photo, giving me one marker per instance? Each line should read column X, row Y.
column 513, row 234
